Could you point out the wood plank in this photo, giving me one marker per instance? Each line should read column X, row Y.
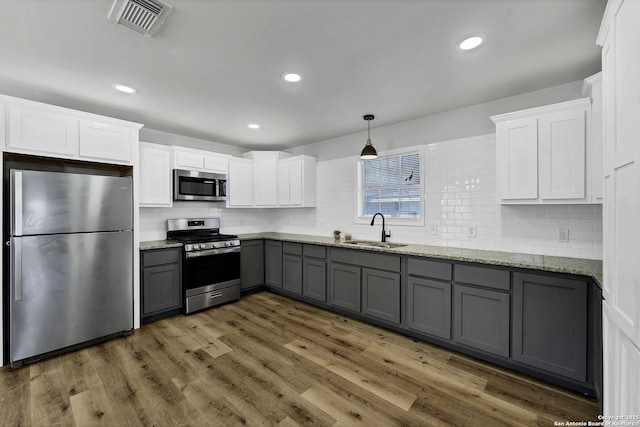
column 92, row 407
column 367, row 380
column 539, row 397
column 15, row 396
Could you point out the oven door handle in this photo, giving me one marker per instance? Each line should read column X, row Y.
column 213, row 252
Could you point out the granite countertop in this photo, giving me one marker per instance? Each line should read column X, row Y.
column 579, row 266
column 159, row 244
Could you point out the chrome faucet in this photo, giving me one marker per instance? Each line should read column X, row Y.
column 384, row 233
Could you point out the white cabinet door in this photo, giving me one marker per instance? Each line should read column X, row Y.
column 105, row 141
column 189, row 161
column 517, row 157
column 561, row 144
column 42, row 131
column 265, row 180
column 240, row 183
column 155, row 175
column 216, row 164
column 284, row 198
column 296, row 186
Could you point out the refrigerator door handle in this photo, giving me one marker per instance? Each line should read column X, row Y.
column 16, row 188
column 16, row 268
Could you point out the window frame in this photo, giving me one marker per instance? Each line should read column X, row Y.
column 359, row 218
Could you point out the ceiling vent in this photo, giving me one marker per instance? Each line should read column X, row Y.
column 142, row 16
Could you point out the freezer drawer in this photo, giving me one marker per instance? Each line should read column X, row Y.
column 67, row 289
column 56, row 202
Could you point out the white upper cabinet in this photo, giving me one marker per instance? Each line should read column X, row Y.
column 277, row 180
column 106, row 141
column 47, row 130
column 541, row 155
column 240, row 183
column 155, row 175
column 199, row 160
column 265, row 177
column 297, row 182
column 517, row 157
column 561, row 144
column 41, row 131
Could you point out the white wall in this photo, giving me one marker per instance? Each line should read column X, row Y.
column 452, row 164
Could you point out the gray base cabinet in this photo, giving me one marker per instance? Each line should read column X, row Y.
column 550, row 324
column 314, row 279
column 481, row 319
column 251, row 264
column 161, row 285
column 428, row 298
column 381, row 295
column 429, row 307
column 292, row 267
column 344, row 286
column 273, row 263
column 292, row 273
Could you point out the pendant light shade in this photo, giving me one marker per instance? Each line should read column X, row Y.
column 368, row 152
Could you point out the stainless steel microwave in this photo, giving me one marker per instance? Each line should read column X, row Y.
column 199, row 186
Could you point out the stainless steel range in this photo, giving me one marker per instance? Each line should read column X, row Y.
column 211, row 262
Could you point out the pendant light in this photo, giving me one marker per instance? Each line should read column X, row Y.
column 368, row 152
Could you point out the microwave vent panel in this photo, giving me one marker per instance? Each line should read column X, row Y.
column 142, row 16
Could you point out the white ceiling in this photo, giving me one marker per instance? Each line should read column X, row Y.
column 215, row 65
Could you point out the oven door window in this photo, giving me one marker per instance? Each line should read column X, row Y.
column 197, row 186
column 208, row 270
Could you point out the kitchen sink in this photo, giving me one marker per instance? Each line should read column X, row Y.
column 387, row 245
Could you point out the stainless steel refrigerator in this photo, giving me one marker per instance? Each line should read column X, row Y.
column 71, row 262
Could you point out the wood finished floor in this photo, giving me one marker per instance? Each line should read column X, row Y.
column 269, row 360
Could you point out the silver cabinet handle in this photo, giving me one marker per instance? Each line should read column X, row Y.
column 216, row 295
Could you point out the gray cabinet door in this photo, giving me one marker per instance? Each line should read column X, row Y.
column 550, row 324
column 314, row 279
column 344, row 286
column 481, row 319
column 429, row 307
column 381, row 295
column 292, row 273
column 161, row 289
column 273, row 263
column 251, row 264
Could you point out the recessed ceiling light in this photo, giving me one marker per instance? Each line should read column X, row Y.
column 292, row 77
column 253, row 126
column 124, row 88
column 471, row 42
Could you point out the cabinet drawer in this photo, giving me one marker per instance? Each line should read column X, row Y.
column 292, row 248
column 314, row 251
column 482, row 276
column 160, row 256
column 366, row 259
column 428, row 268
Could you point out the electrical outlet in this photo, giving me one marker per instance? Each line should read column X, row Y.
column 433, row 230
column 563, row 235
column 471, row 231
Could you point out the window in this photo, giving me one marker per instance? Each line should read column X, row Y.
column 391, row 185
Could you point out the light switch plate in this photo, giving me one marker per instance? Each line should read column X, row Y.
column 471, row 231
